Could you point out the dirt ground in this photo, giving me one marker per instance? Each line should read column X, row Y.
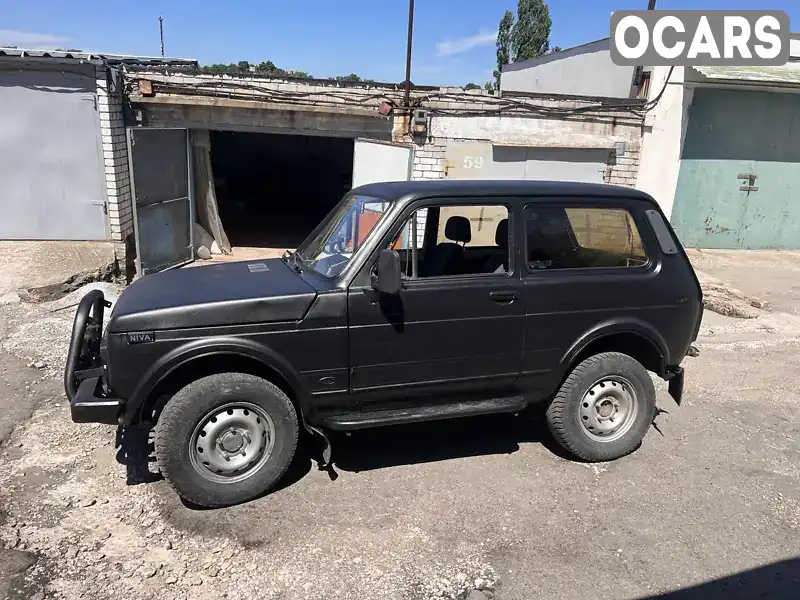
column 708, row 507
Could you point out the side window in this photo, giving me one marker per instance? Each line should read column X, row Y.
column 579, row 238
column 455, row 240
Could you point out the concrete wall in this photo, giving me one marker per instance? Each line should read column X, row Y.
column 665, row 131
column 585, row 70
column 456, row 114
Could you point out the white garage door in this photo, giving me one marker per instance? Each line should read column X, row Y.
column 482, row 160
column 51, row 181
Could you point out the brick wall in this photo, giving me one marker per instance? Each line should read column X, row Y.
column 624, row 168
column 115, row 159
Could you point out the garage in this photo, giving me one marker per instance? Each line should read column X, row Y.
column 53, row 180
column 739, row 179
column 256, row 194
column 273, row 189
column 494, row 161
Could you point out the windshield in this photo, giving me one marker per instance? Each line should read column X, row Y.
column 330, row 249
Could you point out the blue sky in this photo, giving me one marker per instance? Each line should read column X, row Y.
column 453, row 39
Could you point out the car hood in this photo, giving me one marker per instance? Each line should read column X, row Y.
column 207, row 296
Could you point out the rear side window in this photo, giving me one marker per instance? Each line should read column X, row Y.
column 579, row 238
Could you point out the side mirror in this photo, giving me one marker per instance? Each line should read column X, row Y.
column 387, row 281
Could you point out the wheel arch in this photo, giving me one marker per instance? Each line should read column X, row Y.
column 635, row 338
column 194, row 360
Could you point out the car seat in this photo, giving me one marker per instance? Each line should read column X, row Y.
column 498, row 263
column 447, row 258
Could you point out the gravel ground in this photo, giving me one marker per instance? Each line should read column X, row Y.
column 481, row 508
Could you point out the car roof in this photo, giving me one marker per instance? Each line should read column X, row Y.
column 411, row 190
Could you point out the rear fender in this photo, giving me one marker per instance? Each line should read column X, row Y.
column 616, row 326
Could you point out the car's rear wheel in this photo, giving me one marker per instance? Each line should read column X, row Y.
column 604, row 407
column 226, row 438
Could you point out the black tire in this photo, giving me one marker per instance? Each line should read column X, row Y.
column 564, row 413
column 194, row 403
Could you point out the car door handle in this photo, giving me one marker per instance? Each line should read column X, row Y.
column 503, row 297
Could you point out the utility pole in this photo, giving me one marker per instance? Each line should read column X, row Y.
column 161, row 33
column 638, row 70
column 408, row 53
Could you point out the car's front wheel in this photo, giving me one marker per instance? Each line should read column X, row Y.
column 604, row 407
column 226, row 438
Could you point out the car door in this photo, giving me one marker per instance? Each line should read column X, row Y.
column 591, row 266
column 455, row 334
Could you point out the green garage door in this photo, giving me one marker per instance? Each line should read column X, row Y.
column 732, row 135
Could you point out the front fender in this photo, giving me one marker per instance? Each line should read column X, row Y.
column 196, row 349
column 616, row 326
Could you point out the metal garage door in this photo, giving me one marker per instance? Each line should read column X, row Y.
column 51, row 181
column 482, row 160
column 739, row 180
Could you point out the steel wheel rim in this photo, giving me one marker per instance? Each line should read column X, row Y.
column 232, row 442
column 608, row 409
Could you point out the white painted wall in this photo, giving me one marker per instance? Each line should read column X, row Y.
column 532, row 132
column 585, row 70
column 662, row 143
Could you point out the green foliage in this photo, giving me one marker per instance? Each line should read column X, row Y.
column 504, row 40
column 555, row 49
column 523, row 38
column 530, row 36
column 489, row 87
column 269, row 69
column 472, row 86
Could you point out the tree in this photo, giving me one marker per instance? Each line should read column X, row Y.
column 351, row 77
column 8, row 46
column 504, row 39
column 530, row 36
column 68, row 50
column 555, row 49
column 489, row 87
column 243, row 66
column 472, row 86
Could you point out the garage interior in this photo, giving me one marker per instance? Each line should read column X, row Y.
column 273, row 189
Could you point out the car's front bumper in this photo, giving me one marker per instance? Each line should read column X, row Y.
column 90, row 405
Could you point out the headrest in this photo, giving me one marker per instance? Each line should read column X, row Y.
column 501, row 234
column 458, row 229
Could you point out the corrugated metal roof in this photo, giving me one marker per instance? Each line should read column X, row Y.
column 786, row 75
column 95, row 56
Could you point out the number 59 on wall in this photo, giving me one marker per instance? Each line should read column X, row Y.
column 473, row 162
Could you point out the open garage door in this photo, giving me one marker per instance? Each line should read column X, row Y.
column 162, row 206
column 376, row 161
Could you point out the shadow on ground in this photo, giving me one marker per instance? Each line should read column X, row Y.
column 778, row 581
column 135, row 450
column 377, row 448
column 439, row 440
